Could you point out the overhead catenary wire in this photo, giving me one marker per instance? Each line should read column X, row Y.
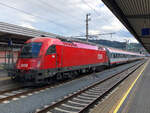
column 98, row 15
column 60, row 11
column 52, row 21
column 78, row 10
column 96, row 12
column 34, row 15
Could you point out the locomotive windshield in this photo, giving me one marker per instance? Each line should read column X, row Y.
column 31, row 50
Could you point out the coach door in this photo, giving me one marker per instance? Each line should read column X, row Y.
column 51, row 56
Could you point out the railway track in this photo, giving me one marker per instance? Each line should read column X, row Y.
column 80, row 101
column 11, row 94
column 22, row 92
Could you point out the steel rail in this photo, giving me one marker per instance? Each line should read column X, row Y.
column 52, row 106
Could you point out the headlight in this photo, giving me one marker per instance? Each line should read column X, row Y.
column 38, row 64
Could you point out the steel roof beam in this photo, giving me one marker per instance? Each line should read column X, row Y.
column 113, row 6
column 17, row 41
column 138, row 16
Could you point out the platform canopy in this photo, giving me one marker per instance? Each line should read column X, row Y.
column 18, row 35
column 135, row 15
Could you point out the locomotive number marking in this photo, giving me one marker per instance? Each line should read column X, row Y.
column 24, row 65
column 99, row 56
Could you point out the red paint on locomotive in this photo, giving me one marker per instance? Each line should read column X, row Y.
column 67, row 55
column 45, row 57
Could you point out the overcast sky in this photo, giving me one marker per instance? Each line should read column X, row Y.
column 64, row 17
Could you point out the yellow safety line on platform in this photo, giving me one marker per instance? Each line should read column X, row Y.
column 4, row 78
column 1, row 67
column 128, row 91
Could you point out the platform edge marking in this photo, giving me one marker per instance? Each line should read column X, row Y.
column 128, row 91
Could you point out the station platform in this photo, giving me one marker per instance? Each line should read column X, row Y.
column 5, row 81
column 3, row 73
column 131, row 96
column 138, row 99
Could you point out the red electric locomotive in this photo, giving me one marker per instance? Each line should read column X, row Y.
column 43, row 59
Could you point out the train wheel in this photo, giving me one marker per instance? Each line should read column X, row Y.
column 73, row 74
column 59, row 76
column 49, row 80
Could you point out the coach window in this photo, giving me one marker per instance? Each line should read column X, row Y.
column 51, row 50
column 113, row 55
column 120, row 55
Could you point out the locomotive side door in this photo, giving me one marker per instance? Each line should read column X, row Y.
column 51, row 57
column 59, row 60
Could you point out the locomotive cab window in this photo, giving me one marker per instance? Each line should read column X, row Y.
column 31, row 50
column 51, row 50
